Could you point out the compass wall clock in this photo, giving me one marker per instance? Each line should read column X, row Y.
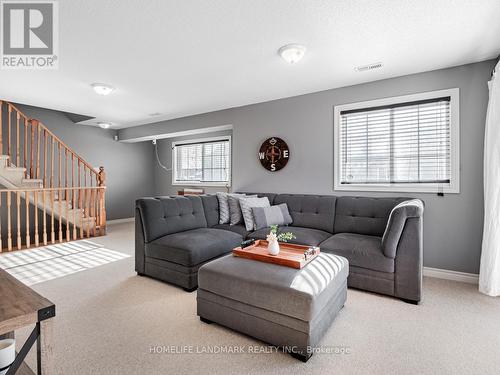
column 274, row 154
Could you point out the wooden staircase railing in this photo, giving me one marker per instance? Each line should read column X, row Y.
column 36, row 217
column 55, row 178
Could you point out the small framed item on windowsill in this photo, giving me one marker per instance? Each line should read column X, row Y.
column 190, row 191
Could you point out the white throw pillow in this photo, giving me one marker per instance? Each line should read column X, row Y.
column 246, row 205
column 224, row 216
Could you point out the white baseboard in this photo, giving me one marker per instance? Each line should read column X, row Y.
column 463, row 277
column 120, row 221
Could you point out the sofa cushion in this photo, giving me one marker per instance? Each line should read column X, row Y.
column 269, row 196
column 361, row 251
column 193, row 247
column 274, row 215
column 363, row 215
column 238, row 228
column 211, row 208
column 303, row 236
column 224, row 212
column 310, row 211
column 235, row 214
column 246, row 205
column 165, row 215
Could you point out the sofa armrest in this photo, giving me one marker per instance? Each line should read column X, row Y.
column 409, row 262
column 413, row 208
column 140, row 256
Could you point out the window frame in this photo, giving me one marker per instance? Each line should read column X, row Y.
column 201, row 183
column 454, row 185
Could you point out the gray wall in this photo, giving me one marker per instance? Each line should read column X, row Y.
column 163, row 179
column 128, row 165
column 453, row 223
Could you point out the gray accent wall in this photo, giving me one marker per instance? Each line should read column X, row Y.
column 129, row 174
column 453, row 223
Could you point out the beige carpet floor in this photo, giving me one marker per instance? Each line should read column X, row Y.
column 108, row 319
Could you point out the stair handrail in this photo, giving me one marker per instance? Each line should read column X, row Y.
column 56, row 138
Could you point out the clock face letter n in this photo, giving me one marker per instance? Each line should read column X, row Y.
column 274, row 154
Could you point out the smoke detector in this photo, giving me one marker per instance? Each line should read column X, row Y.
column 365, row 68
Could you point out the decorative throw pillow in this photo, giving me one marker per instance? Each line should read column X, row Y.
column 224, row 206
column 275, row 215
column 246, row 205
column 235, row 215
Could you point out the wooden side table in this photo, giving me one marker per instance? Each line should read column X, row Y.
column 21, row 306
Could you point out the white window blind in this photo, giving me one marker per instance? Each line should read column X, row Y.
column 202, row 162
column 403, row 143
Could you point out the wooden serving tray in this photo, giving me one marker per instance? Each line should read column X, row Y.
column 290, row 255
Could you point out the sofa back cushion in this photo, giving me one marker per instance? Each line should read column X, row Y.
column 211, row 208
column 310, row 211
column 363, row 215
column 166, row 215
column 269, row 196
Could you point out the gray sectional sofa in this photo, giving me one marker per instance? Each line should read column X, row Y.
column 380, row 237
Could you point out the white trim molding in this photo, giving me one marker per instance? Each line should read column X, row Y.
column 464, row 277
column 120, row 221
column 452, row 187
column 183, row 133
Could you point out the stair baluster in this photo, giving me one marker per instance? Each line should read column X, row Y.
column 44, row 205
column 18, row 201
column 9, row 222
column 9, row 123
column 27, row 201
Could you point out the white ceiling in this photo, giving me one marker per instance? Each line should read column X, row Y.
column 182, row 57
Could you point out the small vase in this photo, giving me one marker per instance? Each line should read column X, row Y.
column 273, row 248
column 7, row 354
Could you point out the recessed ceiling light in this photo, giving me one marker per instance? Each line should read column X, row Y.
column 104, row 125
column 155, row 114
column 102, row 88
column 292, row 53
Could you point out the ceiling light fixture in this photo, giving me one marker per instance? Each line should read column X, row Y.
column 102, row 88
column 292, row 53
column 104, row 125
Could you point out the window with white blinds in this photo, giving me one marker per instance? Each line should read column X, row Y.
column 204, row 162
column 403, row 145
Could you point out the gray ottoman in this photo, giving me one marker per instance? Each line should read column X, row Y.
column 279, row 305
